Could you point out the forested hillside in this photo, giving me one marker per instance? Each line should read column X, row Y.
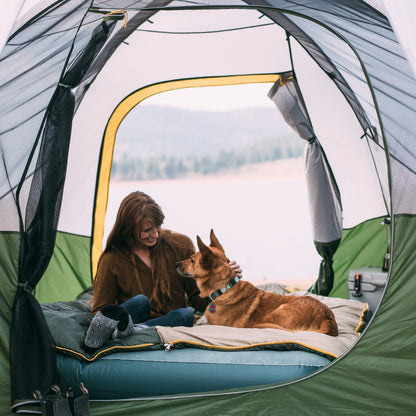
column 163, row 142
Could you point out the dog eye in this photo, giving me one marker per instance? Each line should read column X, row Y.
column 192, row 261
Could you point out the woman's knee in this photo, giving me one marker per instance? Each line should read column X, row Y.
column 138, row 308
column 186, row 315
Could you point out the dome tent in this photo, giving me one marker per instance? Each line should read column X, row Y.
column 68, row 78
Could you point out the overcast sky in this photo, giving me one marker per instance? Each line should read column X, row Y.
column 206, row 98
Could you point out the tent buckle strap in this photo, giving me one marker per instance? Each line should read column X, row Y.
column 68, row 87
column 57, row 403
column 119, row 14
column 111, row 15
column 26, row 287
column 357, row 286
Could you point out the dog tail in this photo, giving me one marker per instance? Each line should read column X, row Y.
column 329, row 325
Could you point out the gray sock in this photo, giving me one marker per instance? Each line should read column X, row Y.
column 103, row 325
column 124, row 328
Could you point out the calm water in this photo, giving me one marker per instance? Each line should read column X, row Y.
column 263, row 224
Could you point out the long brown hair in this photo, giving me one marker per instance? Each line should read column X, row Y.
column 133, row 210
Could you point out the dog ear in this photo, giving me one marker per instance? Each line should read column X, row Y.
column 214, row 241
column 207, row 256
column 202, row 247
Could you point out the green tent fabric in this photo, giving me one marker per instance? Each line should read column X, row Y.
column 360, row 93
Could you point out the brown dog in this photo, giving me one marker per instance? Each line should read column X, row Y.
column 242, row 305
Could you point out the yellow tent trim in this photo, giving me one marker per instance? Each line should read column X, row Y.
column 116, row 348
column 117, row 117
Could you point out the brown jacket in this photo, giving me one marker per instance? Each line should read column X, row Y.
column 117, row 281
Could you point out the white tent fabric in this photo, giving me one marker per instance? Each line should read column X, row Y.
column 400, row 12
column 173, row 56
column 108, row 90
column 10, row 12
column 156, row 62
column 402, row 15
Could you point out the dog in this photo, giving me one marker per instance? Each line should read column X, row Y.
column 240, row 304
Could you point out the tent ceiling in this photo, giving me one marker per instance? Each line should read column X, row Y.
column 165, row 53
column 169, row 52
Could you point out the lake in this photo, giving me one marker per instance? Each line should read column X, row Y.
column 262, row 221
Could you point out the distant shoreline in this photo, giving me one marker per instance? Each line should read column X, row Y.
column 285, row 169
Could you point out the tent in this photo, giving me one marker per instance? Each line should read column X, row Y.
column 71, row 70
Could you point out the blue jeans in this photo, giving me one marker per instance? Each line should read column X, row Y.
column 138, row 307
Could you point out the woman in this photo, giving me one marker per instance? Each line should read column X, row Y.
column 136, row 274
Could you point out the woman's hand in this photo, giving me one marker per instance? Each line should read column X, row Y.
column 236, row 269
